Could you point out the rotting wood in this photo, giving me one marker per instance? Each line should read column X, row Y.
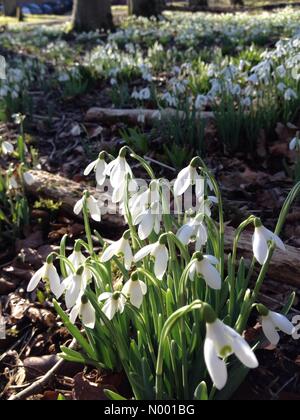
column 147, row 117
column 284, row 268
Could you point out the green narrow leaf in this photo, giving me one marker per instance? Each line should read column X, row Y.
column 113, row 395
column 288, row 306
column 74, row 331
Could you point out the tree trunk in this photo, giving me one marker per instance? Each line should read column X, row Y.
column 145, row 8
column 10, row 7
column 90, row 15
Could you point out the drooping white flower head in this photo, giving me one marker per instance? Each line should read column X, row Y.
column 28, row 178
column 99, row 166
column 160, row 253
column 261, row 238
column 149, row 221
column 115, row 302
column 189, row 177
column 77, row 259
column 121, row 249
column 7, row 148
column 142, row 200
column 136, row 290
column 220, row 343
column 94, row 207
column 49, row 274
column 85, row 310
column 119, row 169
column 74, row 286
column 295, row 144
column 203, row 267
column 273, row 322
column 194, row 231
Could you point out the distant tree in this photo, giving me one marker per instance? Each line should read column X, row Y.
column 146, row 8
column 90, row 15
column 10, row 7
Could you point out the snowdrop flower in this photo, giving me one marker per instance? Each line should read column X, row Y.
column 115, row 302
column 290, row 94
column 77, row 259
column 149, row 220
column 74, row 287
column 47, row 273
column 136, row 290
column 85, row 310
column 142, row 200
column 272, row 322
column 92, row 205
column 203, row 267
column 120, row 248
column 220, row 343
column 189, row 177
column 160, row 254
column 261, row 238
column 118, row 169
column 295, row 144
column 99, row 166
column 28, row 178
column 7, row 148
column 13, row 183
column 194, row 230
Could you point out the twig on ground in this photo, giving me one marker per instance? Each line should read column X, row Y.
column 42, row 382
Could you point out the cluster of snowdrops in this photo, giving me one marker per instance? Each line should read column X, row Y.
column 164, row 304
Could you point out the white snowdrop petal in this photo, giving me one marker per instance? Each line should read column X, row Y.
column 144, row 252
column 161, row 256
column 94, row 209
column 146, row 227
column 78, row 207
column 88, row 315
column 100, row 172
column 128, row 256
column 54, row 280
column 185, row 233
column 90, row 168
column 110, row 252
column 269, row 330
column 281, row 322
column 211, row 275
column 36, row 278
column 260, row 246
column 104, row 296
column 110, row 308
column 74, row 314
column 182, row 182
column 212, row 259
column 242, row 350
column 216, row 367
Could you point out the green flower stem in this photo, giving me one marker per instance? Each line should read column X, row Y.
column 87, row 227
column 169, row 325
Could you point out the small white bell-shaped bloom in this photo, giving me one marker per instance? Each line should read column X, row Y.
column 261, row 238
column 272, row 322
column 160, row 254
column 85, row 310
column 93, row 207
column 220, row 343
column 99, row 166
column 115, row 302
column 203, row 266
column 47, row 273
column 136, row 290
column 121, row 248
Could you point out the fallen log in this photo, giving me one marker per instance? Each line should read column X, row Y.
column 137, row 116
column 284, row 268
